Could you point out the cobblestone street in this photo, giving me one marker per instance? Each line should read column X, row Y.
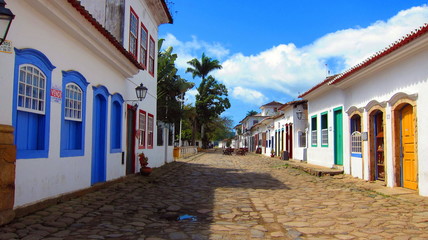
column 229, row 197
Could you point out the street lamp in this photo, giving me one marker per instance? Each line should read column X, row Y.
column 141, row 91
column 6, row 17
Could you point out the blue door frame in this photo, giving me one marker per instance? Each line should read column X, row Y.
column 99, row 135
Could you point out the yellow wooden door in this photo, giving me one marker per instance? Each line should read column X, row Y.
column 410, row 174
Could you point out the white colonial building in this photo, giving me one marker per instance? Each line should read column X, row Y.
column 371, row 119
column 68, row 81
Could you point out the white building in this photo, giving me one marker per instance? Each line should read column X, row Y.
column 371, row 118
column 65, row 85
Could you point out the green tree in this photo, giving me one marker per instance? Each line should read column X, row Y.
column 203, row 67
column 170, row 87
column 251, row 113
column 211, row 99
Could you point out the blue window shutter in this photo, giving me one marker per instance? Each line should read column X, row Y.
column 32, row 129
column 73, row 132
column 116, row 123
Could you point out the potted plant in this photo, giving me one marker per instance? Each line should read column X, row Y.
column 272, row 153
column 144, row 161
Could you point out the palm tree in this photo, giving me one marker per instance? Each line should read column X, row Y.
column 203, row 67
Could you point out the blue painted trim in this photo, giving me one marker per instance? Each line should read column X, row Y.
column 116, row 127
column 39, row 60
column 33, row 56
column 100, row 89
column 80, row 80
column 357, row 155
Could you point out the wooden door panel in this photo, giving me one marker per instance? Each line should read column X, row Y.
column 408, row 147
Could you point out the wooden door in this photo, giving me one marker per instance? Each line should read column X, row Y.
column 338, row 137
column 408, row 148
column 130, row 139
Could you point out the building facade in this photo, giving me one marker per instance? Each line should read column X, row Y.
column 69, row 90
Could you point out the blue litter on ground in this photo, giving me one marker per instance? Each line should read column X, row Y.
column 187, row 217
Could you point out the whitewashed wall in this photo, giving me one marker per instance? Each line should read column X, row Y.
column 38, row 179
column 324, row 156
column 409, row 75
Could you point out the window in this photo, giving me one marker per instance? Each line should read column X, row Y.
column 356, row 136
column 31, row 103
column 31, row 93
column 170, row 135
column 314, row 135
column 152, row 56
column 116, row 123
column 143, row 45
column 160, row 136
column 73, row 102
column 142, row 129
column 133, row 33
column 324, row 129
column 302, row 139
column 73, row 114
column 150, row 131
column 356, row 143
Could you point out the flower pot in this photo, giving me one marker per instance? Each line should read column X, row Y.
column 145, row 171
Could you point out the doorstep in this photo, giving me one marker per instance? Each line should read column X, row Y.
column 314, row 169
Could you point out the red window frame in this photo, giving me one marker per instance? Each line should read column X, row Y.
column 142, row 126
column 150, row 128
column 143, row 45
column 131, row 34
column 152, row 47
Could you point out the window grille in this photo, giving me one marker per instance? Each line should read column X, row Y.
column 133, row 34
column 31, row 90
column 302, row 139
column 314, row 137
column 73, row 102
column 356, row 142
column 142, row 128
column 143, row 46
column 324, row 137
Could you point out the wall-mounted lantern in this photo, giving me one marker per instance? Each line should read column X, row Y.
column 6, row 17
column 141, row 92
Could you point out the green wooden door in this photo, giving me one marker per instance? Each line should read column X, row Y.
column 338, row 137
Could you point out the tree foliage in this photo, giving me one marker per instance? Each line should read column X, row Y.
column 170, row 86
column 251, row 113
column 211, row 99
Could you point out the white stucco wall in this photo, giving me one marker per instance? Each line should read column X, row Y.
column 327, row 102
column 408, row 75
column 41, row 178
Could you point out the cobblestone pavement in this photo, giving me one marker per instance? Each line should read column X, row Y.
column 229, row 197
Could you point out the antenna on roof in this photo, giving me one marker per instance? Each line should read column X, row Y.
column 326, row 70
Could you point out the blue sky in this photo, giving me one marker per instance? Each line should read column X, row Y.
column 273, row 50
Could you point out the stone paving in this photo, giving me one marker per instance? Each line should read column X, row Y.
column 229, row 197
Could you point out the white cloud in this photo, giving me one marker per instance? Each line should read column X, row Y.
column 293, row 70
column 249, row 96
column 186, row 51
column 190, row 97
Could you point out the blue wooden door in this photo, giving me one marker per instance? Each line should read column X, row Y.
column 99, row 139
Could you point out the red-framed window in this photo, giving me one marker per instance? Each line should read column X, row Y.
column 133, row 33
column 142, row 129
column 152, row 56
column 150, row 126
column 144, row 39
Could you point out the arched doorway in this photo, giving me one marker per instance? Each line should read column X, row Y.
column 377, row 146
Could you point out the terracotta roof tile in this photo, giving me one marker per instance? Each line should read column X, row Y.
column 378, row 55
